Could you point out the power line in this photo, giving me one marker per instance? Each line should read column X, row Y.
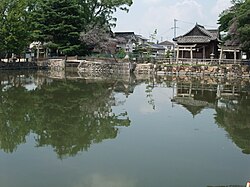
column 192, row 23
column 187, row 22
column 170, row 29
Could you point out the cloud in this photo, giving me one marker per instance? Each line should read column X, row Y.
column 220, row 5
column 98, row 180
column 162, row 17
column 151, row 1
column 147, row 15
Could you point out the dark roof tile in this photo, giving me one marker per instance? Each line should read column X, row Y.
column 198, row 35
column 193, row 39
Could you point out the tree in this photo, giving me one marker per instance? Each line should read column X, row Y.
column 14, row 27
column 98, row 39
column 236, row 23
column 60, row 22
column 56, row 23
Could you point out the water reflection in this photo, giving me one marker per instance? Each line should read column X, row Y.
column 229, row 98
column 67, row 115
column 98, row 180
column 74, row 112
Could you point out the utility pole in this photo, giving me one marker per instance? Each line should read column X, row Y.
column 175, row 31
column 175, row 27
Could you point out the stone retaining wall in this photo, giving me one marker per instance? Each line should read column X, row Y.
column 104, row 67
column 225, row 70
column 56, row 64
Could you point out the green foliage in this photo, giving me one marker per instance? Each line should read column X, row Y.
column 121, row 54
column 168, row 54
column 234, row 118
column 14, row 27
column 69, row 116
column 57, row 23
column 236, row 22
column 243, row 18
column 60, row 22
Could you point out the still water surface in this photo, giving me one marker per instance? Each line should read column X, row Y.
column 129, row 132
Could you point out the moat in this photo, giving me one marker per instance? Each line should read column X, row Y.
column 74, row 130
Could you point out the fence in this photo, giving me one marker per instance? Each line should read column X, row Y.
column 189, row 61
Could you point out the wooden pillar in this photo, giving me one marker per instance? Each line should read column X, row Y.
column 190, row 90
column 221, row 55
column 177, row 55
column 204, row 52
column 218, row 93
column 37, row 52
column 235, row 55
column 191, row 54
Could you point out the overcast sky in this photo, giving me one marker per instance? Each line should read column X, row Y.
column 145, row 16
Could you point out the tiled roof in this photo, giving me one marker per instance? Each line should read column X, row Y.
column 198, row 35
column 166, row 43
column 193, row 39
column 124, row 33
column 215, row 33
column 157, row 46
column 141, row 37
column 153, row 46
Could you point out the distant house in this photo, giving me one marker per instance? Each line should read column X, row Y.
column 126, row 40
column 141, row 40
column 157, row 50
column 129, row 40
column 152, row 50
column 198, row 43
column 40, row 50
column 169, row 46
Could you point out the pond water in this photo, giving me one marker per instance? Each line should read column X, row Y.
column 132, row 131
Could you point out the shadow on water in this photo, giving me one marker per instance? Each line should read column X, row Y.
column 71, row 113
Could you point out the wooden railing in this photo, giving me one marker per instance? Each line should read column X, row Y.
column 201, row 61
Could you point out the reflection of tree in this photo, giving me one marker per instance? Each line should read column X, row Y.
column 69, row 116
column 14, row 119
column 235, row 119
column 232, row 112
column 149, row 90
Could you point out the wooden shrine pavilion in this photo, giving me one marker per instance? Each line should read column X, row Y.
column 198, row 43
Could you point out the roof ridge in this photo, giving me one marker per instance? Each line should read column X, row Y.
column 205, row 31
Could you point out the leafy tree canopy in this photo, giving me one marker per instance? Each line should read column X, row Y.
column 60, row 22
column 236, row 23
column 14, row 27
column 56, row 23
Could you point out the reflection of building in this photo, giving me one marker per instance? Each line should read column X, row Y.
column 230, row 101
column 195, row 96
column 191, row 98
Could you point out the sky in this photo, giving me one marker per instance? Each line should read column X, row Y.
column 145, row 16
